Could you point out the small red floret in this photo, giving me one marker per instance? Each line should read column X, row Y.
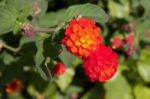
column 59, row 69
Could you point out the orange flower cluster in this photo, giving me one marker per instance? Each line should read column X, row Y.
column 14, row 86
column 82, row 37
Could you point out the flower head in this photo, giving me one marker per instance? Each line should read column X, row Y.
column 117, row 42
column 14, row 86
column 130, row 39
column 129, row 27
column 59, row 69
column 82, row 37
column 130, row 50
column 101, row 64
column 28, row 30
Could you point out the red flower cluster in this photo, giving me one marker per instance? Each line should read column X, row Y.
column 14, row 86
column 59, row 69
column 126, row 43
column 129, row 40
column 117, row 42
column 82, row 37
column 101, row 65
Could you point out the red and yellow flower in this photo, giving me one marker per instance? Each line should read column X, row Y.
column 82, row 37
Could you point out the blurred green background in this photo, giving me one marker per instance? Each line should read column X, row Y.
column 31, row 59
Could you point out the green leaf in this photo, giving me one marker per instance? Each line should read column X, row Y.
column 74, row 89
column 144, row 65
column 50, row 91
column 8, row 17
column 64, row 80
column 51, row 18
column 21, row 4
column 34, row 79
column 144, row 57
column 16, row 28
column 144, row 71
column 25, row 40
column 142, row 26
column 16, row 96
column 94, row 93
column 66, row 57
column 141, row 92
column 118, row 10
column 145, row 4
column 86, row 10
column 8, row 59
column 18, row 4
column 39, row 58
column 118, row 88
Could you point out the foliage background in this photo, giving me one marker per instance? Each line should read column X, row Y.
column 27, row 58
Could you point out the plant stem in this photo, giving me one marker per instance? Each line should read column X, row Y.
column 45, row 29
column 55, row 29
column 10, row 48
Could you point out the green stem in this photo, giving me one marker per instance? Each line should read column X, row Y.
column 45, row 29
column 10, row 48
column 55, row 29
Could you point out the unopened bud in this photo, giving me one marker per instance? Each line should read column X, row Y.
column 130, row 50
column 117, row 42
column 59, row 69
column 130, row 38
column 28, row 30
column 129, row 27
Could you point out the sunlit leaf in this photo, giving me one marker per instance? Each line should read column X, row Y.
column 141, row 92
column 86, row 10
column 118, row 88
column 8, row 15
column 117, row 10
column 52, row 18
column 64, row 80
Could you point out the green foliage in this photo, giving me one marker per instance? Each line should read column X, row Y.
column 8, row 17
column 86, row 10
column 32, row 59
column 52, row 18
column 93, row 93
column 119, row 10
column 118, row 88
column 141, row 92
column 144, row 65
column 66, row 57
column 39, row 58
column 68, row 76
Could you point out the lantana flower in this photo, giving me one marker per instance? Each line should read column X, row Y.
column 82, row 37
column 101, row 64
